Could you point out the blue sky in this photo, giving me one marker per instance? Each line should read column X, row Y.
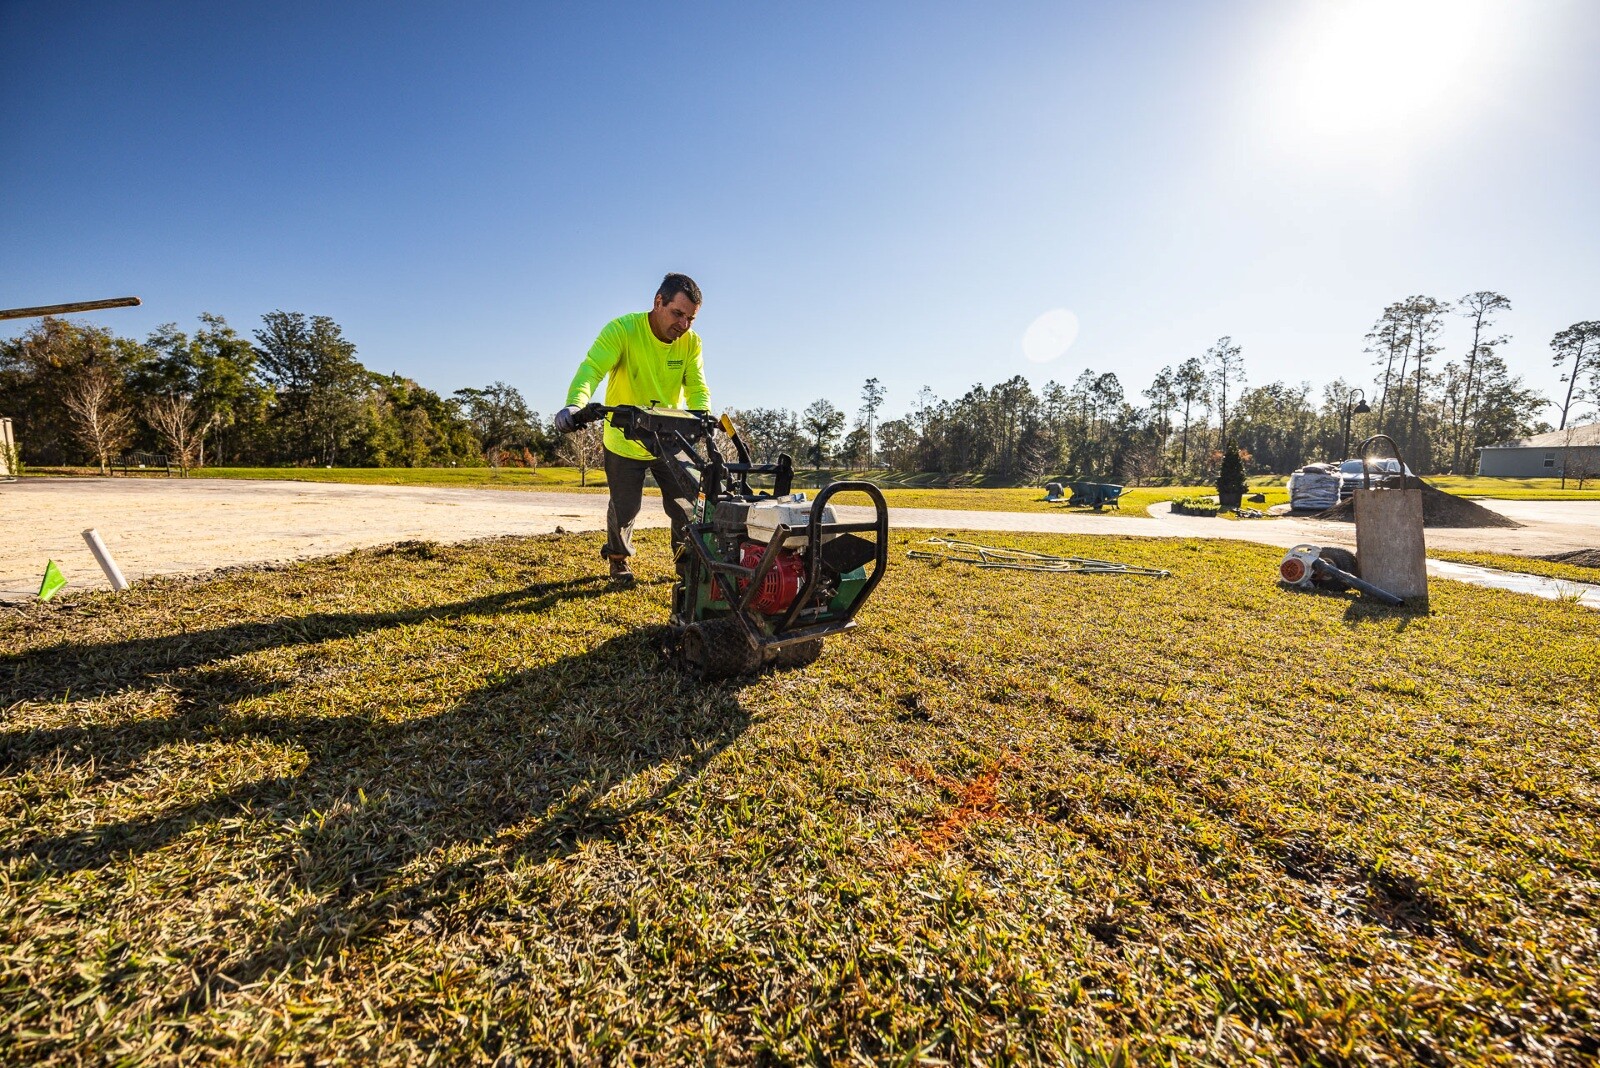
column 884, row 190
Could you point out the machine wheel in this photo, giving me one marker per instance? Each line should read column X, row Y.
column 718, row 649
column 1344, row 560
column 798, row 655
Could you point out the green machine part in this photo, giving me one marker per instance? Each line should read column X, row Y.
column 706, row 600
column 850, row 586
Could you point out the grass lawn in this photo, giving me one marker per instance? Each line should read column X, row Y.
column 1016, row 499
column 442, row 802
column 1516, row 489
column 562, row 478
column 1006, row 499
column 1134, row 501
column 558, row 478
column 1504, row 489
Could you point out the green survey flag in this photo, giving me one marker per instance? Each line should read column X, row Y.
column 53, row 581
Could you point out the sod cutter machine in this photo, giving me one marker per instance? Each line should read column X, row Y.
column 763, row 576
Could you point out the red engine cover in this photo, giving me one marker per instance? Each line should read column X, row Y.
column 782, row 583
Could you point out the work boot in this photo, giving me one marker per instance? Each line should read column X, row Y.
column 621, row 573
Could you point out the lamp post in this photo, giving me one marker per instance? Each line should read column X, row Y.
column 1353, row 407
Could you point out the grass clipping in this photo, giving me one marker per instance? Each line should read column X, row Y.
column 444, row 804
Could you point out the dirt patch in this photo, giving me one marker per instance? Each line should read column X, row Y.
column 1577, row 558
column 1439, row 509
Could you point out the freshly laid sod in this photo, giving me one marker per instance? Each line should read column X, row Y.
column 444, row 803
column 1527, row 565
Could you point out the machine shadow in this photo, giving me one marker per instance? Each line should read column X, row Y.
column 517, row 772
column 1363, row 611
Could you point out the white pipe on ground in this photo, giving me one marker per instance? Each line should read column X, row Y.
column 102, row 556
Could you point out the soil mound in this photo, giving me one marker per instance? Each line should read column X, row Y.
column 1577, row 558
column 1439, row 509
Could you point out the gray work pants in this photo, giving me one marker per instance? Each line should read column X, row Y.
column 625, row 480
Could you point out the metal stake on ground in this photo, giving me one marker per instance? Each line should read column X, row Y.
column 102, row 556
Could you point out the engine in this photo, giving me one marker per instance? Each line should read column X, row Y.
column 782, row 582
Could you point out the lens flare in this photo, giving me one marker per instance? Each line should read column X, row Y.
column 1050, row 336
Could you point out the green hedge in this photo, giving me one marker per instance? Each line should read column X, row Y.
column 1207, row 506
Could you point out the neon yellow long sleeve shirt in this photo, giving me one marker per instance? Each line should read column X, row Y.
column 644, row 371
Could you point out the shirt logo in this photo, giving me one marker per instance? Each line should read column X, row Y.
column 674, row 363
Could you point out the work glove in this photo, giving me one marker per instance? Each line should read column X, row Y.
column 564, row 423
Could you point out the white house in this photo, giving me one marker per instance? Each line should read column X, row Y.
column 1572, row 452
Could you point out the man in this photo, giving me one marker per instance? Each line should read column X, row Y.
column 652, row 358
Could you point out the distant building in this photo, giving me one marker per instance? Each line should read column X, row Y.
column 1572, row 452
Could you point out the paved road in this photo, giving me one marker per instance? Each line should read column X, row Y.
column 171, row 526
column 165, row 526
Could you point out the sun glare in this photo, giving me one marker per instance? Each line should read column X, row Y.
column 1364, row 76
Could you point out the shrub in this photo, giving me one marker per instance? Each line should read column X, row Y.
column 1206, row 506
column 1230, row 480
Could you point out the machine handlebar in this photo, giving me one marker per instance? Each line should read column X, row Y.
column 589, row 413
column 594, row 411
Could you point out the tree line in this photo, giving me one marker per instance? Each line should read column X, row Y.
column 292, row 394
column 1438, row 413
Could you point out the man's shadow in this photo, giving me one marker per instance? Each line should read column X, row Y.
column 515, row 771
column 95, row 670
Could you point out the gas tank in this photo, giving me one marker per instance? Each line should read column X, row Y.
column 765, row 517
